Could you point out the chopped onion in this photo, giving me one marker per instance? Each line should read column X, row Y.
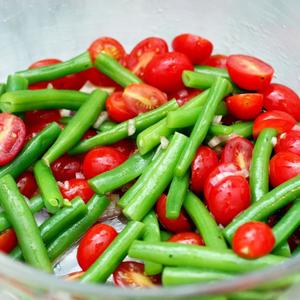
column 217, row 119
column 102, row 117
column 65, row 113
column 274, row 140
column 217, row 140
column 164, row 142
column 108, row 90
column 50, row 86
column 283, row 135
column 88, row 87
column 112, row 210
column 79, row 175
column 131, row 127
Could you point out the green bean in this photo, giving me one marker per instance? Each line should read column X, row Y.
column 283, row 250
column 114, row 70
column 124, row 173
column 27, row 100
column 109, row 260
column 107, row 125
column 80, row 123
column 47, row 184
column 205, row 118
column 205, row 223
column 176, row 195
column 151, row 234
column 15, row 83
column 2, row 89
column 243, row 129
column 296, row 251
column 212, row 71
column 142, row 203
column 75, row 65
column 197, row 80
column 95, row 208
column 176, row 254
column 120, row 131
column 165, row 235
column 253, row 295
column 24, row 224
column 32, row 151
column 267, row 205
column 259, row 171
column 65, row 120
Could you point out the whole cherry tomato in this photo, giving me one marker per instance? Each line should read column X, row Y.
column 217, row 61
column 27, row 184
column 8, row 240
column 189, row 238
column 76, row 188
column 288, row 141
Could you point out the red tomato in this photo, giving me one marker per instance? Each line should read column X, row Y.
column 217, row 61
column 88, row 134
column 126, row 147
column 94, row 243
column 12, row 137
column 189, row 238
column 100, row 160
column 204, row 162
column 33, row 130
column 8, row 240
column 288, row 141
column 253, row 240
column 131, row 274
column 184, row 95
column 284, row 166
column 245, row 106
column 41, row 116
column 165, row 70
column 229, row 198
column 279, row 120
column 76, row 188
column 143, row 53
column 281, row 97
column 141, row 97
column 181, row 224
column 248, row 72
column 27, row 184
column 238, row 151
column 196, row 48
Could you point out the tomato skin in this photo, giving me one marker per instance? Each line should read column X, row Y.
column 279, row 120
column 245, row 106
column 181, row 224
column 27, row 184
column 131, row 274
column 41, row 116
column 33, row 130
column 253, row 240
column 288, row 141
column 281, row 97
column 76, row 188
column 8, row 240
column 184, row 95
column 238, row 151
column 94, row 243
column 217, row 61
column 229, row 198
column 126, row 147
column 249, row 72
column 196, row 48
column 284, row 166
column 164, row 71
column 189, row 238
column 204, row 162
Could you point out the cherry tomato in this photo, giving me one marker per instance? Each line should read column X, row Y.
column 196, row 48
column 164, row 71
column 41, row 116
column 12, row 137
column 217, row 61
column 248, row 72
column 189, row 238
column 284, row 166
column 143, row 53
column 141, row 97
column 184, row 95
column 279, row 120
column 27, row 184
column 76, row 188
column 8, row 240
column 33, row 130
column 94, row 243
column 100, row 160
column 253, row 240
column 281, row 97
column 181, row 224
column 131, row 274
column 204, row 162
column 229, row 198
column 238, row 151
column 245, row 106
column 88, row 134
column 126, row 147
column 288, row 141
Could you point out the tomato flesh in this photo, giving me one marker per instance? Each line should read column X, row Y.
column 8, row 240
column 76, row 188
column 27, row 184
column 288, row 141
column 184, row 95
column 41, row 116
column 188, row 238
column 126, row 147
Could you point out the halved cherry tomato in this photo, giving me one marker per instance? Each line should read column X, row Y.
column 12, row 137
column 204, row 162
column 238, row 151
column 196, row 48
column 229, row 198
column 126, row 147
column 141, row 97
column 284, row 166
column 41, row 116
column 131, row 274
column 27, row 184
column 288, row 141
column 245, row 106
column 249, row 72
column 281, row 97
column 181, row 224
column 184, row 95
column 143, row 53
column 217, row 61
column 76, row 188
column 33, row 130
column 94, row 243
column 279, row 120
column 189, row 238
column 100, row 160
column 8, row 240
column 164, row 71
column 253, row 240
